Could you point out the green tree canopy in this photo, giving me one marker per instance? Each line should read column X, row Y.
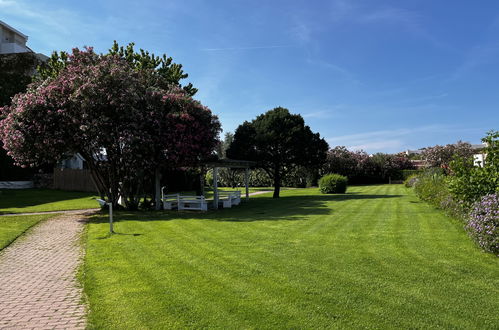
column 117, row 117
column 279, row 142
column 163, row 66
column 16, row 71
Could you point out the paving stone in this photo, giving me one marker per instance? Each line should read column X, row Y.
column 38, row 284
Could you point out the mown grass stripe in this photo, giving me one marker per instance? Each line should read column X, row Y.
column 371, row 258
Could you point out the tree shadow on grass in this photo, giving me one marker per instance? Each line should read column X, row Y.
column 109, row 235
column 286, row 208
column 22, row 198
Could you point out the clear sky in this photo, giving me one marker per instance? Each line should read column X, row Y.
column 383, row 76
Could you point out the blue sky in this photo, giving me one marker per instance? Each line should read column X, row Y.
column 382, row 76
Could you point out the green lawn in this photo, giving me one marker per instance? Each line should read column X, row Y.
column 41, row 200
column 373, row 258
column 11, row 227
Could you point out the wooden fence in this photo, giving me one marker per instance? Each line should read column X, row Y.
column 73, row 180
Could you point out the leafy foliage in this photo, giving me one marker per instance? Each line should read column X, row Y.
column 16, row 74
column 432, row 187
column 390, row 166
column 117, row 117
column 359, row 167
column 468, row 182
column 483, row 224
column 279, row 142
column 228, row 177
column 408, row 173
column 333, row 184
column 345, row 162
column 17, row 70
column 170, row 73
column 411, row 180
column 441, row 156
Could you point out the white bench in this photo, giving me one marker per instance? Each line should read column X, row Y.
column 229, row 198
column 192, row 203
column 169, row 201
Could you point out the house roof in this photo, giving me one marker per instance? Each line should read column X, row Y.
column 7, row 26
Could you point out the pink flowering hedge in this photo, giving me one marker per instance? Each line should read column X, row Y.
column 120, row 119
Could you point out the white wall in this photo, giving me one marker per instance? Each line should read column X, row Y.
column 479, row 159
column 11, row 42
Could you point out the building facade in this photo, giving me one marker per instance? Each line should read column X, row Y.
column 12, row 41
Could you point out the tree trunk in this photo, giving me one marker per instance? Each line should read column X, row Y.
column 277, row 184
column 157, row 189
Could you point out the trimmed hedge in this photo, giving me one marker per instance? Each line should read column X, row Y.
column 333, row 184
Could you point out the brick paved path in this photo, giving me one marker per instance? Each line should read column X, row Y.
column 38, row 285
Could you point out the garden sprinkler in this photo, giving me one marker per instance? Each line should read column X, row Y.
column 102, row 204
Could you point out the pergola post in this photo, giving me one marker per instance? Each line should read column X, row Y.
column 246, row 182
column 157, row 189
column 201, row 179
column 215, row 188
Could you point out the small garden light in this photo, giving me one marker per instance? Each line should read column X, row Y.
column 102, row 203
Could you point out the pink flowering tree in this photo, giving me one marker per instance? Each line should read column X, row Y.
column 125, row 123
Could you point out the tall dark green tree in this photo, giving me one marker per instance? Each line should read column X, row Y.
column 16, row 73
column 278, row 142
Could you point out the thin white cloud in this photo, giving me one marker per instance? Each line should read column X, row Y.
column 302, row 32
column 353, row 12
column 49, row 19
column 245, row 48
column 404, row 86
column 395, row 140
column 343, row 72
column 60, row 28
column 341, row 9
column 321, row 114
column 383, row 145
column 480, row 54
column 383, row 140
column 382, row 134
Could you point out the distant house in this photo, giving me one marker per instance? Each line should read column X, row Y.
column 419, row 162
column 17, row 63
column 76, row 162
column 479, row 158
column 12, row 41
column 413, row 152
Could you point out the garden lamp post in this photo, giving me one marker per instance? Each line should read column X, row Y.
column 102, row 203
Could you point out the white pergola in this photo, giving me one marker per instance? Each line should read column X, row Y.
column 228, row 163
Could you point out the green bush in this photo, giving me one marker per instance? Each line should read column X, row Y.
column 411, row 180
column 333, row 184
column 410, row 173
column 470, row 183
column 432, row 186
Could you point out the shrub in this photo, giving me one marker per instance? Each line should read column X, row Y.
column 333, row 184
column 441, row 156
column 432, row 187
column 483, row 223
column 411, row 180
column 408, row 173
column 360, row 167
column 469, row 183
